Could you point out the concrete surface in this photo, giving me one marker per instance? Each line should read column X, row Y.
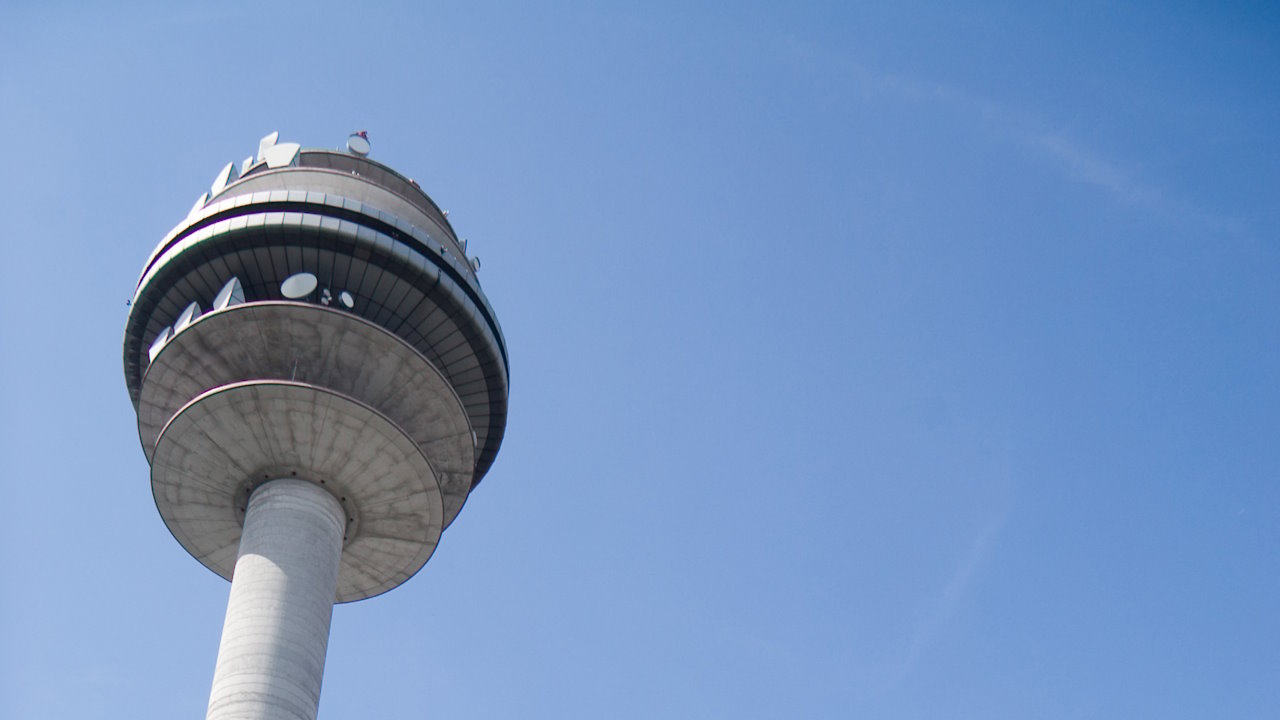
column 271, row 658
column 400, row 278
column 233, row 438
column 324, row 347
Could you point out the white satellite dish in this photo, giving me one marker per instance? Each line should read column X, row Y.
column 358, row 144
column 347, row 301
column 299, row 285
column 231, row 294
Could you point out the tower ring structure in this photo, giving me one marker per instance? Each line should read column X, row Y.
column 314, row 325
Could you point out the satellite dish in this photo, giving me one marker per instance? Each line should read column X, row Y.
column 358, row 143
column 231, row 294
column 475, row 264
column 299, row 285
column 347, row 301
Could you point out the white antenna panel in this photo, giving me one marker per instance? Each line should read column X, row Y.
column 200, row 202
column 158, row 344
column 231, row 294
column 282, row 155
column 228, row 175
column 265, row 144
column 188, row 316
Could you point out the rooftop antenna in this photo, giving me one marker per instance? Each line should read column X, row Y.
column 358, row 143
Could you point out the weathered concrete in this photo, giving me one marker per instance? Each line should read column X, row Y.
column 271, row 659
column 324, row 347
column 230, row 440
column 310, row 449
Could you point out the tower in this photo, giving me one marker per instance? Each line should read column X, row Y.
column 320, row 382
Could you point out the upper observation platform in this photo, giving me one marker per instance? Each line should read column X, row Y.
column 322, row 269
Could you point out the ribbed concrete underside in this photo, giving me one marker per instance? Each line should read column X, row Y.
column 324, row 347
column 228, row 440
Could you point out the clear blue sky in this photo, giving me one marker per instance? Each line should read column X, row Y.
column 916, row 361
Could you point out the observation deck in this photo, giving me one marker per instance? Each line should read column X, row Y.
column 315, row 316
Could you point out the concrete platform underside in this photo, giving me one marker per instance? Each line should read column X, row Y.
column 227, row 441
column 324, row 347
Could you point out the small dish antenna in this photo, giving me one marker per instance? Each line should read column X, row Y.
column 347, row 301
column 358, row 143
column 299, row 285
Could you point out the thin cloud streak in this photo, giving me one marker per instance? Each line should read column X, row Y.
column 1079, row 163
column 948, row 601
column 1069, row 157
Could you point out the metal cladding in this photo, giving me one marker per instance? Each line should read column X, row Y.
column 316, row 317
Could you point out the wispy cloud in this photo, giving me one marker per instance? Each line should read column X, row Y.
column 1079, row 163
column 1071, row 157
column 945, row 606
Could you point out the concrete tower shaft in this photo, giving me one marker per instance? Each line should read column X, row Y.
column 271, row 658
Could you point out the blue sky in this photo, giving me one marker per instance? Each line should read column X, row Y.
column 907, row 361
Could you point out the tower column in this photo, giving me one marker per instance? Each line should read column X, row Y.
column 271, row 658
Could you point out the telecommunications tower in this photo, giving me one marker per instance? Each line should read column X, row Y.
column 319, row 382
